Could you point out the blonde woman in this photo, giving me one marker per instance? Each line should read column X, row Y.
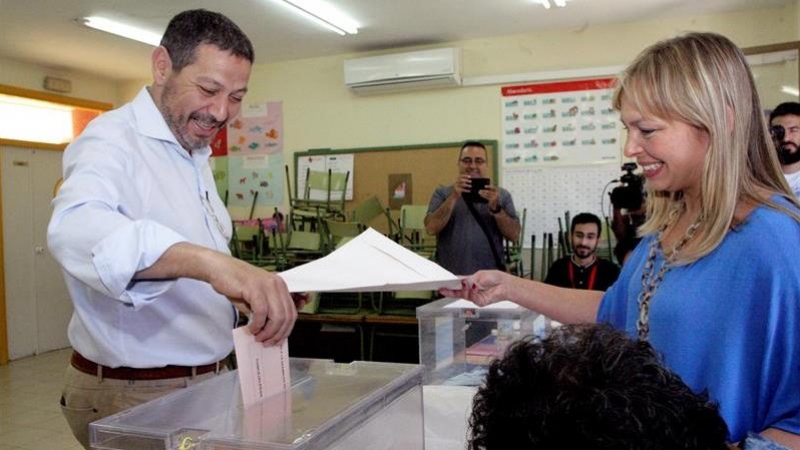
column 715, row 284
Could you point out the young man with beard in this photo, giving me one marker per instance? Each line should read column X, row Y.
column 142, row 235
column 583, row 269
column 787, row 117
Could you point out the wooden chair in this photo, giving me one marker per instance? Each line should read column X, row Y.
column 412, row 230
column 323, row 197
column 366, row 212
column 298, row 247
column 247, row 242
column 337, row 233
column 513, row 250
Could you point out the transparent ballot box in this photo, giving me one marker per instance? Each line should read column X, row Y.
column 458, row 340
column 330, row 406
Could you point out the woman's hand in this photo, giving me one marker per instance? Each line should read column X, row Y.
column 482, row 288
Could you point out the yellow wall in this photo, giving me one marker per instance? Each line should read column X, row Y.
column 319, row 111
column 84, row 86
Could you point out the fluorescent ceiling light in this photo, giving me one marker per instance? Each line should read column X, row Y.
column 324, row 15
column 121, row 29
column 546, row 3
column 790, row 90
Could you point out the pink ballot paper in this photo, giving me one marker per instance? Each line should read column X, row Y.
column 263, row 371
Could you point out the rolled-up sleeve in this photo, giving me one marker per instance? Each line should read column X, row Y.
column 94, row 232
column 132, row 248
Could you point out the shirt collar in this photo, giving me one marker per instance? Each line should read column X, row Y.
column 577, row 264
column 151, row 123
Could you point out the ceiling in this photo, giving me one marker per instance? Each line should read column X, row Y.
column 45, row 32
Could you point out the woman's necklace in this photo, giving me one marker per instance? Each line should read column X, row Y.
column 650, row 282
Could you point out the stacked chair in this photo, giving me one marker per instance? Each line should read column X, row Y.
column 323, row 198
column 513, row 250
column 368, row 211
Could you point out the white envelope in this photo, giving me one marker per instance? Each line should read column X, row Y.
column 263, row 371
column 370, row 262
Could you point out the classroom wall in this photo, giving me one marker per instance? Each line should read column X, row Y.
column 320, row 112
column 84, row 86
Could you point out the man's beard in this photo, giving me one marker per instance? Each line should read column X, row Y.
column 178, row 124
column 786, row 157
column 583, row 252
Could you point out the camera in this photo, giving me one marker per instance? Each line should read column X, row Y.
column 630, row 195
column 476, row 186
column 778, row 133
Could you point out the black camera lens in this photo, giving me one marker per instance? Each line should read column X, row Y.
column 778, row 133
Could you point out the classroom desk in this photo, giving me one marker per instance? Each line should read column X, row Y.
column 363, row 316
column 267, row 223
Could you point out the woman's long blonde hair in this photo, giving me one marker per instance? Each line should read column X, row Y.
column 702, row 79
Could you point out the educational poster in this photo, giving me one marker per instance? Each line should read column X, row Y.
column 321, row 163
column 255, row 156
column 219, row 168
column 256, row 178
column 219, row 146
column 219, row 162
column 559, row 124
column 548, row 193
column 400, row 192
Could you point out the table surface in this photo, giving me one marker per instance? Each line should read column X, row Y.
column 268, row 223
column 363, row 316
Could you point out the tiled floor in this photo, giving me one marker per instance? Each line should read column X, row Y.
column 30, row 418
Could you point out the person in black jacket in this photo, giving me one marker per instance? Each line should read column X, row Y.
column 583, row 269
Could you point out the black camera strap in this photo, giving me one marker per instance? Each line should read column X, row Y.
column 485, row 228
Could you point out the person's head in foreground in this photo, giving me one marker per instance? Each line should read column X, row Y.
column 590, row 387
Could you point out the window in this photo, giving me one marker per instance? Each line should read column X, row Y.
column 44, row 118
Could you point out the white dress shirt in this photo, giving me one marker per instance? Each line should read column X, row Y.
column 130, row 192
column 794, row 182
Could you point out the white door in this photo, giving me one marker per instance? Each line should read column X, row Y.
column 38, row 307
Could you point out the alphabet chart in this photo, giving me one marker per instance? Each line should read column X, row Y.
column 547, row 193
column 560, row 151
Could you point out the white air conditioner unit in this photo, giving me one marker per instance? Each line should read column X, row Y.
column 400, row 71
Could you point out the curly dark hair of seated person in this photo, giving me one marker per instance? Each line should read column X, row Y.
column 590, row 386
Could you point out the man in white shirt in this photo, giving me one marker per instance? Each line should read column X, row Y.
column 142, row 235
column 784, row 124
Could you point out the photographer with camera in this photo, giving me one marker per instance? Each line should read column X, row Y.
column 784, row 124
column 471, row 217
column 629, row 212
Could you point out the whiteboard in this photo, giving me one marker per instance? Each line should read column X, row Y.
column 547, row 193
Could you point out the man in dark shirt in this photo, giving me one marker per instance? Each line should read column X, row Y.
column 583, row 269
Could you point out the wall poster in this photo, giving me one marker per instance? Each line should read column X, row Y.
column 400, row 191
column 560, row 123
column 255, row 156
column 321, row 163
column 561, row 150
